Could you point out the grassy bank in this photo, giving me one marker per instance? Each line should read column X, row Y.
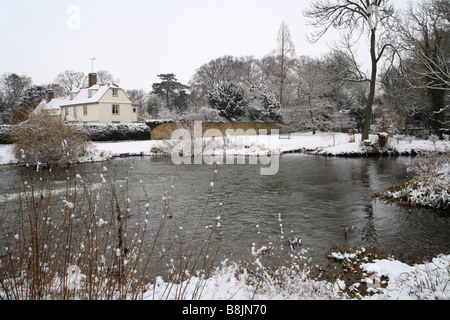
column 430, row 186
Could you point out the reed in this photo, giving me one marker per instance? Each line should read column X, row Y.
column 95, row 240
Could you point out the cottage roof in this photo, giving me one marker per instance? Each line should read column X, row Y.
column 54, row 107
column 83, row 95
column 81, row 98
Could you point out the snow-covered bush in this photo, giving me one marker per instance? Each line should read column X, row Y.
column 229, row 99
column 45, row 141
column 430, row 186
column 262, row 106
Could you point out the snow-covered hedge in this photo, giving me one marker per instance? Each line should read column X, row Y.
column 115, row 132
column 100, row 132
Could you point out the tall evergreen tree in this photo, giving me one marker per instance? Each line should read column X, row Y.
column 172, row 91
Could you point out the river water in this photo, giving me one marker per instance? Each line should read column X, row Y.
column 311, row 198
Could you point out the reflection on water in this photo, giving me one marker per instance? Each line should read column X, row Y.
column 315, row 196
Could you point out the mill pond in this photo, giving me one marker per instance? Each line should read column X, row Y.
column 325, row 202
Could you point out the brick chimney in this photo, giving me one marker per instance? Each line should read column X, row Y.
column 92, row 79
column 49, row 95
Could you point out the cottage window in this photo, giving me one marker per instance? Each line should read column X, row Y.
column 134, row 109
column 85, row 110
column 66, row 111
column 115, row 92
column 115, row 109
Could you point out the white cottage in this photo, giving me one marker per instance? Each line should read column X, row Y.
column 98, row 103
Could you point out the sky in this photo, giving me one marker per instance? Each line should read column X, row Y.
column 136, row 40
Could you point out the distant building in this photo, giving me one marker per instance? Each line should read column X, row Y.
column 98, row 103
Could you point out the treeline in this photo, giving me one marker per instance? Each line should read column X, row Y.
column 408, row 84
column 409, row 80
column 19, row 95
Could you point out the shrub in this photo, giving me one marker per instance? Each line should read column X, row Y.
column 428, row 188
column 45, row 141
column 229, row 99
column 384, row 128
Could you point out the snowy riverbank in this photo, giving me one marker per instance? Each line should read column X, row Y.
column 336, row 144
column 430, row 186
column 387, row 279
column 428, row 281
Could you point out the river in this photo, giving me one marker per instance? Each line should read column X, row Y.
column 311, row 198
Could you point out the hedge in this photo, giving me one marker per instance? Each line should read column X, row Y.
column 115, row 132
column 100, row 132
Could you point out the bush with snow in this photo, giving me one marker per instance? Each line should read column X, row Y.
column 430, row 186
column 229, row 99
column 263, row 106
column 45, row 141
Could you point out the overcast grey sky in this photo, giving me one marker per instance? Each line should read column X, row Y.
column 135, row 39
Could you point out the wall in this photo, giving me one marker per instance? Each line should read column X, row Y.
column 126, row 114
column 164, row 131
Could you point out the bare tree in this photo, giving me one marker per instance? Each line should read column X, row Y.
column 404, row 97
column 312, row 86
column 355, row 18
column 321, row 92
column 286, row 50
column 104, row 76
column 71, row 80
column 426, row 37
column 139, row 98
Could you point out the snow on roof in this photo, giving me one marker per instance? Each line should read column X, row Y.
column 82, row 97
column 53, row 107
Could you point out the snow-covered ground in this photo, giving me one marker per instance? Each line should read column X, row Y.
column 428, row 281
column 321, row 143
